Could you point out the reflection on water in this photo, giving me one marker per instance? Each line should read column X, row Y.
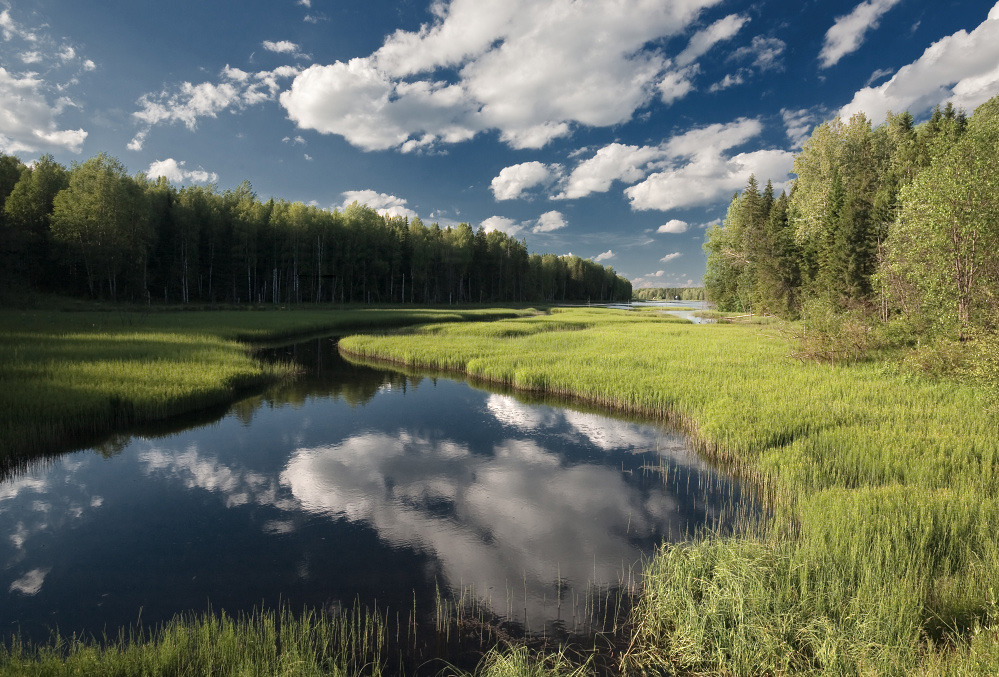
column 350, row 483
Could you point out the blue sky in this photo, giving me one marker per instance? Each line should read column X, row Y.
column 611, row 129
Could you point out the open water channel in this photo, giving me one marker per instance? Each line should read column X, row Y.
column 350, row 484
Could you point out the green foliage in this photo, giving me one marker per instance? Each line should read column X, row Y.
column 262, row 643
column 668, row 294
column 99, row 232
column 944, row 242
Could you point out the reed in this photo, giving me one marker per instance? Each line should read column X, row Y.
column 881, row 552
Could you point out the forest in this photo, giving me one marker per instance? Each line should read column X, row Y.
column 668, row 294
column 94, row 231
column 892, row 229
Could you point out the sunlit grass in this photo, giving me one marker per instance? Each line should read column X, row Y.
column 882, row 554
column 66, row 377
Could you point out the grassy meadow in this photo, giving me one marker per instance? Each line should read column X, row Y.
column 68, row 377
column 882, row 555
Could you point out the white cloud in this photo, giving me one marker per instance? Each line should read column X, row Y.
column 189, row 103
column 503, row 224
column 703, row 40
column 877, row 75
column 31, row 57
column 668, row 258
column 174, row 172
column 607, row 255
column 89, row 65
column 709, row 174
column 529, row 70
column 730, row 80
column 764, row 52
column 675, row 85
column 383, row 203
column 611, row 163
column 708, row 178
column 714, row 138
column 360, row 103
column 674, row 226
column 67, row 53
column 305, row 3
column 281, row 46
column 798, row 125
column 549, row 221
column 961, row 68
column 28, row 120
column 847, row 34
column 512, row 181
column 11, row 29
column 284, row 47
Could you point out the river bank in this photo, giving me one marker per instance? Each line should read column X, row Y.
column 880, row 557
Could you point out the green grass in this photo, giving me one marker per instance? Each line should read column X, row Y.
column 68, row 377
column 882, row 554
column 263, row 643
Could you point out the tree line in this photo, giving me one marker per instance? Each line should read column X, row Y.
column 897, row 222
column 94, row 230
column 668, row 294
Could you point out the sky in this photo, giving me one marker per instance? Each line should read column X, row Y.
column 616, row 130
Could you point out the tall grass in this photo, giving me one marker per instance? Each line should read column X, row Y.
column 882, row 552
column 68, row 377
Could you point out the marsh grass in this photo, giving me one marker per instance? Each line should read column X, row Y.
column 880, row 554
column 66, row 378
column 460, row 638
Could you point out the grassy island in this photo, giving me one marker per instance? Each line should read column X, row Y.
column 68, row 377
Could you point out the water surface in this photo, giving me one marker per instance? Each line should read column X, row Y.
column 351, row 484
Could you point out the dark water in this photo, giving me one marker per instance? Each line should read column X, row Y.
column 350, row 484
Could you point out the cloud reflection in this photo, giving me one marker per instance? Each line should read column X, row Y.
column 510, row 524
column 30, row 583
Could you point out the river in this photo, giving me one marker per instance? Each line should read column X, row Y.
column 350, row 484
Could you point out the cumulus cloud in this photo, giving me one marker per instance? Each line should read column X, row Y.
column 614, row 162
column 357, row 101
column 702, row 172
column 513, row 181
column 174, row 172
column 709, row 177
column 668, row 258
column 688, row 169
column 549, row 221
column 188, row 103
column 847, row 33
column 525, row 69
column 502, row 224
column 674, row 226
column 28, row 120
column 383, row 203
column 607, row 255
column 703, row 40
column 675, row 85
column 961, row 68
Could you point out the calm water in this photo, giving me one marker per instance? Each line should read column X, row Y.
column 350, row 484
